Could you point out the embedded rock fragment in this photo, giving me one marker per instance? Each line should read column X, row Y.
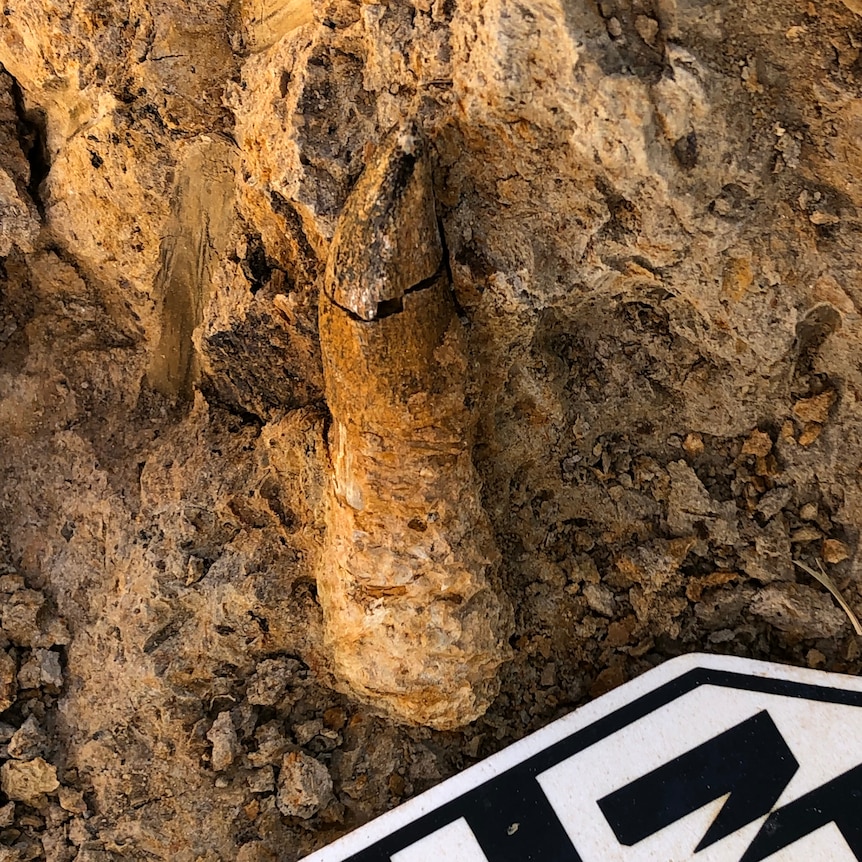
column 799, row 610
column 223, row 737
column 270, row 681
column 8, row 680
column 19, row 616
column 304, row 786
column 29, row 741
column 50, row 672
column 28, row 780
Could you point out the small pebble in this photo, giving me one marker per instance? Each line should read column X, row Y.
column 810, row 433
column 693, row 444
column 19, row 616
column 8, row 681
column 30, row 673
column 307, row 730
column 72, row 800
column 759, row 443
column 27, row 780
column 7, row 814
column 600, row 599
column 223, row 737
column 270, row 681
column 304, row 786
column 49, row 665
column 647, row 29
column 815, row 658
column 29, row 741
column 11, row 583
column 808, row 512
column 816, row 408
column 262, row 780
column 834, row 551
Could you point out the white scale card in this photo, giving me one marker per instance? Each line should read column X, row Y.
column 705, row 758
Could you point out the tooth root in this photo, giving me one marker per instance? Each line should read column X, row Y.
column 414, row 624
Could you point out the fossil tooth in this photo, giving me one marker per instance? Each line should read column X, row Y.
column 386, row 241
column 413, row 621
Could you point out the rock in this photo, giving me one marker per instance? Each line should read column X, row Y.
column 56, row 848
column 697, row 586
column 27, row 780
column 799, row 610
column 759, row 443
column 307, row 730
column 262, row 780
column 834, row 551
column 600, row 599
column 223, row 737
column 810, row 433
column 271, row 745
column 11, row 583
column 7, row 814
column 261, row 25
column 92, row 854
column 8, row 680
column 690, row 508
column 54, row 633
column 815, row 658
column 80, row 830
column 29, row 741
column 806, row 533
column 255, row 851
column 769, row 559
column 772, row 502
column 270, row 680
column 655, row 565
column 19, row 221
column 19, row 616
column 647, row 28
column 54, row 815
column 304, row 786
column 693, row 444
column 808, row 512
column 335, row 718
column 71, row 800
column 50, row 672
column 13, row 853
column 816, row 408
column 30, row 673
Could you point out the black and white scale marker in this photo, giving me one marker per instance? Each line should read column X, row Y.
column 705, row 758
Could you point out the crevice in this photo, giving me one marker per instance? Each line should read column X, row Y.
column 210, row 390
column 395, row 305
column 306, row 257
column 811, row 332
column 33, row 140
column 256, row 266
